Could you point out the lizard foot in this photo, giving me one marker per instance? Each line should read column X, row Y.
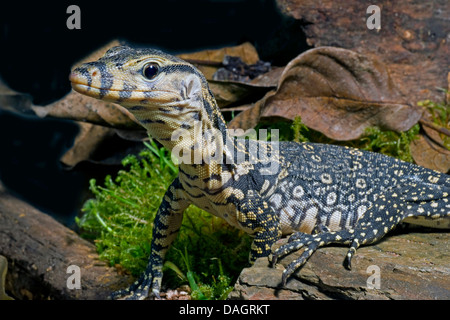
column 140, row 289
column 311, row 243
column 296, row 242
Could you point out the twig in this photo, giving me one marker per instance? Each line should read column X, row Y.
column 434, row 126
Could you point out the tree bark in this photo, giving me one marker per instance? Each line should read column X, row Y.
column 412, row 39
column 39, row 251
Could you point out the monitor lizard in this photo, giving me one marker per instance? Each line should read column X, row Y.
column 320, row 194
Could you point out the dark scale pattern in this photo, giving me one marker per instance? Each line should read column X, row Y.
column 351, row 197
column 321, row 194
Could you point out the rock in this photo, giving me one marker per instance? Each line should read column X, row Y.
column 410, row 266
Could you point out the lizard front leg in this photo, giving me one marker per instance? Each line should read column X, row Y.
column 257, row 217
column 166, row 225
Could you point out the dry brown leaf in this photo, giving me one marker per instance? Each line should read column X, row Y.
column 86, row 142
column 251, row 115
column 245, row 51
column 430, row 155
column 429, row 151
column 228, row 92
column 14, row 101
column 269, row 79
column 78, row 107
column 340, row 93
column 75, row 106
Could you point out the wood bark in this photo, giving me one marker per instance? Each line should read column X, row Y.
column 39, row 251
column 412, row 40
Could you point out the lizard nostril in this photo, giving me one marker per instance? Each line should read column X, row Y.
column 94, row 74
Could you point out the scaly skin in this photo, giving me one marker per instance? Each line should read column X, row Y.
column 321, row 194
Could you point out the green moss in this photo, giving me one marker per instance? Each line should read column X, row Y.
column 391, row 143
column 120, row 219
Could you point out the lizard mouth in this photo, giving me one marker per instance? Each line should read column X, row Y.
column 81, row 85
column 85, row 89
column 103, row 94
column 97, row 92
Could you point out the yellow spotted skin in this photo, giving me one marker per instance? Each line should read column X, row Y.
column 321, row 194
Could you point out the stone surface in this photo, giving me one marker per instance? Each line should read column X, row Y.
column 411, row 266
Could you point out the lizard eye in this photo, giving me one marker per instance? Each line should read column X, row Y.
column 150, row 70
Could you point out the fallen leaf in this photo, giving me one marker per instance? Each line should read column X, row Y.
column 209, row 61
column 234, row 69
column 269, row 79
column 429, row 150
column 86, row 142
column 102, row 145
column 78, row 107
column 250, row 116
column 14, row 101
column 229, row 92
column 430, row 155
column 339, row 93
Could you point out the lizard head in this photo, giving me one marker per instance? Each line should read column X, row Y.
column 163, row 92
column 139, row 77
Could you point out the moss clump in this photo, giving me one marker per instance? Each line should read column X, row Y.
column 391, row 143
column 121, row 215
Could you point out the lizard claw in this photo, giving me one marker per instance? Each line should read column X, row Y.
column 348, row 258
column 311, row 243
column 348, row 261
column 273, row 258
column 139, row 290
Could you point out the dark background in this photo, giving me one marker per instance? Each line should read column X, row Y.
column 37, row 51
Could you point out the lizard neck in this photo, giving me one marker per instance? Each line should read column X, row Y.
column 194, row 131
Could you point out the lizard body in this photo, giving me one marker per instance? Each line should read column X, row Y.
column 321, row 194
